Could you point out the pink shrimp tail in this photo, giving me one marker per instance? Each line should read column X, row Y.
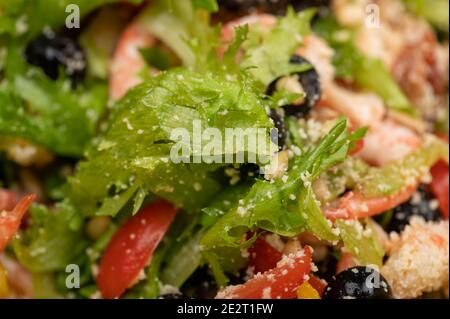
column 354, row 206
column 10, row 220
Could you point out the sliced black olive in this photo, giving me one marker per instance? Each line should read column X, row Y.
column 422, row 204
column 279, row 134
column 52, row 51
column 310, row 85
column 358, row 283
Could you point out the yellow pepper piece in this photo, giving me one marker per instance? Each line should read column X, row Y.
column 4, row 290
column 306, row 291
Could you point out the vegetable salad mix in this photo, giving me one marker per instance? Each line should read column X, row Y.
column 224, row 149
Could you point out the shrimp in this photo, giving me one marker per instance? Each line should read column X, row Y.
column 127, row 61
column 317, row 51
column 10, row 220
column 7, row 200
column 418, row 259
column 362, row 108
column 421, row 69
column 354, row 205
column 407, row 46
column 388, row 141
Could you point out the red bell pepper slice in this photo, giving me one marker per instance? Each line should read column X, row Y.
column 132, row 247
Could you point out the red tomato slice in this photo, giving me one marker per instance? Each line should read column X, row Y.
column 439, row 185
column 131, row 248
column 263, row 256
column 353, row 205
column 280, row 282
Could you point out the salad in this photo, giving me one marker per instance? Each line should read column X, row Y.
column 224, row 149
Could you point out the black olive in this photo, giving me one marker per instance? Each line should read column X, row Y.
column 52, row 51
column 358, row 283
column 421, row 204
column 279, row 134
column 310, row 83
column 173, row 296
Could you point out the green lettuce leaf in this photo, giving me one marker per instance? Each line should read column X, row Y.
column 183, row 263
column 435, row 12
column 46, row 112
column 50, row 114
column 361, row 242
column 134, row 152
column 186, row 254
column 185, row 29
column 394, row 176
column 209, row 5
column 49, row 244
column 284, row 206
column 268, row 51
column 374, row 181
column 31, row 16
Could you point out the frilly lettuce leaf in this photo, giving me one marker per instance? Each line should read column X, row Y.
column 49, row 244
column 135, row 149
column 284, row 206
column 48, row 113
column 361, row 242
column 189, row 34
column 268, row 51
column 209, row 5
column 29, row 17
column 185, row 28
